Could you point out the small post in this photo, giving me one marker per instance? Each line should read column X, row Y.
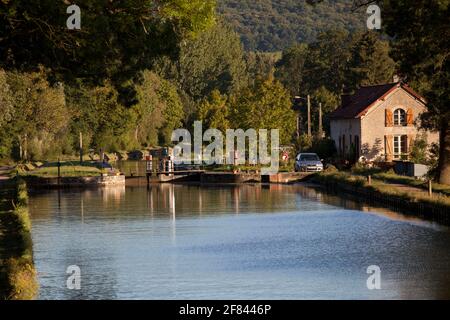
column 369, row 180
column 59, row 171
column 430, row 188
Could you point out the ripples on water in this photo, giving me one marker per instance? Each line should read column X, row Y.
column 246, row 242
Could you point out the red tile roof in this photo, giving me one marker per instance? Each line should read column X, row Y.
column 357, row 105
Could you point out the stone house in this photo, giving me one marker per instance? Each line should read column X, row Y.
column 379, row 123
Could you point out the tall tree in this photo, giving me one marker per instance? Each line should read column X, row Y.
column 290, row 67
column 116, row 40
column 261, row 65
column 370, row 63
column 421, row 30
column 327, row 62
column 214, row 60
column 265, row 105
column 158, row 112
column 40, row 116
column 214, row 112
column 6, row 99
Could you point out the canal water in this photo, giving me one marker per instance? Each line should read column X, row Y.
column 235, row 242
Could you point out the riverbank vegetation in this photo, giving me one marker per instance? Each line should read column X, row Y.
column 17, row 274
column 66, row 169
column 382, row 189
column 186, row 62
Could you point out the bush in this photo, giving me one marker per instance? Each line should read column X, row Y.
column 325, row 148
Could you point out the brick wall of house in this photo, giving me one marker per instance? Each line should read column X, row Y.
column 374, row 131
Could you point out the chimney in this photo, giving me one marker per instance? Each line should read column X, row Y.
column 396, row 78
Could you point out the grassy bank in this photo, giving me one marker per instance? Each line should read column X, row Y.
column 409, row 181
column 67, row 169
column 17, row 274
column 436, row 207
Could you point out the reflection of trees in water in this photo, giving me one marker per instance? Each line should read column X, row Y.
column 171, row 200
column 167, row 201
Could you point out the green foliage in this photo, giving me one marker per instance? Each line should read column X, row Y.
column 261, row 65
column 214, row 60
column 158, row 112
column 303, row 143
column 419, row 150
column 266, row 105
column 18, row 277
column 6, row 100
column 421, row 30
column 38, row 117
column 117, row 38
column 325, row 148
column 290, row 68
column 336, row 60
column 370, row 62
column 214, row 112
column 266, row 25
column 342, row 180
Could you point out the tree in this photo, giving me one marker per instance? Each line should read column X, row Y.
column 421, row 30
column 327, row 63
column 158, row 112
column 117, row 38
column 214, row 112
column 214, row 60
column 329, row 102
column 39, row 118
column 6, row 112
column 419, row 150
column 270, row 26
column 290, row 67
column 261, row 65
column 6, row 100
column 370, row 63
column 265, row 105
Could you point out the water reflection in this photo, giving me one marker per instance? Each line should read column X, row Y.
column 251, row 242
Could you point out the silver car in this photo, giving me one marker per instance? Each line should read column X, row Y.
column 308, row 162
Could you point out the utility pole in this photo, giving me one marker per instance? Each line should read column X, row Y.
column 81, row 147
column 320, row 122
column 298, row 125
column 309, row 116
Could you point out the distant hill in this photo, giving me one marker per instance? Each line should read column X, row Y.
column 272, row 25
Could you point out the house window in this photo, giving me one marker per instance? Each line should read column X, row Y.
column 400, row 147
column 400, row 117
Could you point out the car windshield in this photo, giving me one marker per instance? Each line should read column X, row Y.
column 309, row 157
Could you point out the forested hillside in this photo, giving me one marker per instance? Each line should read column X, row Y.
column 268, row 25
